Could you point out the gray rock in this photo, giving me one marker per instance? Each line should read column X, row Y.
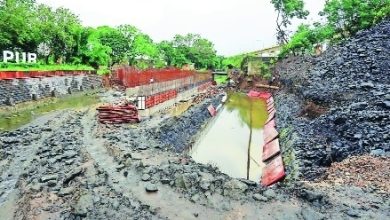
column 385, row 104
column 269, row 193
column 66, row 191
column 69, row 162
column 70, row 154
column 339, row 61
column 353, row 213
column 52, row 183
column 142, row 147
column 378, row 152
column 358, row 105
column 234, row 188
column 248, row 182
column 145, row 177
column 311, row 196
column 150, row 187
column 195, row 198
column 368, row 85
column 48, row 178
column 120, row 167
column 309, row 214
column 165, row 181
column 36, row 187
column 83, row 204
column 260, row 198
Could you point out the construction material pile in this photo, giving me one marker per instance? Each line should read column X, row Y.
column 118, row 114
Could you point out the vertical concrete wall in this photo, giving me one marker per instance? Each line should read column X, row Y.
column 21, row 90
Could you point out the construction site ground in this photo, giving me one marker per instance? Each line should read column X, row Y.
column 65, row 165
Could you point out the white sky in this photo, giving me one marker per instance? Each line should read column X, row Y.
column 234, row 26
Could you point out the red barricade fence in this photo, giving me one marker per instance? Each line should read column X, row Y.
column 130, row 77
column 38, row 74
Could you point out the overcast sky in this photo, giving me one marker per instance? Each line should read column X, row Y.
column 234, row 26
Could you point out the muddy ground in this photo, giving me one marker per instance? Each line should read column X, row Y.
column 67, row 166
column 333, row 119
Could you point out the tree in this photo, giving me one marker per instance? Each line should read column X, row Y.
column 18, row 29
column 195, row 49
column 114, row 39
column 287, row 10
column 347, row 17
column 144, row 51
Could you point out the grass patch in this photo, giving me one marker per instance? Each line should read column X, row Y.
column 221, row 79
column 42, row 67
column 287, row 139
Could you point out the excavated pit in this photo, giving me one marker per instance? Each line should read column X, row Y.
column 233, row 140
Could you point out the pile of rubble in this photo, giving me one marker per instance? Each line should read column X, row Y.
column 348, row 87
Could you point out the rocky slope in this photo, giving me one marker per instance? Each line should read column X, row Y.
column 338, row 104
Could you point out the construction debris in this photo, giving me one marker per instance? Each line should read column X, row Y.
column 118, row 114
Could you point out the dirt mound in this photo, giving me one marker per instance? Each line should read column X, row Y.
column 361, row 171
column 352, row 81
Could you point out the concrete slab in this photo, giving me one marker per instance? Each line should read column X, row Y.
column 271, row 149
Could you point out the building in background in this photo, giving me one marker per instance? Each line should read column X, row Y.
column 260, row 57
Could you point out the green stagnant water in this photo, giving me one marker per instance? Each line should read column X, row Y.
column 13, row 118
column 233, row 140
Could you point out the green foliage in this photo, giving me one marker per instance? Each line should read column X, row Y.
column 287, row 10
column 265, row 70
column 192, row 48
column 221, row 79
column 344, row 18
column 347, row 17
column 236, row 61
column 103, row 70
column 58, row 37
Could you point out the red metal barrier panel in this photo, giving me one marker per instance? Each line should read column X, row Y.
column 270, row 133
column 273, row 172
column 271, row 110
column 271, row 123
column 262, row 95
column 271, row 149
column 212, row 110
column 270, row 117
column 270, row 100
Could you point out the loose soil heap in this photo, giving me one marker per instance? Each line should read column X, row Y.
column 338, row 104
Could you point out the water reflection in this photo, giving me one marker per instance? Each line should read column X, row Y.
column 233, row 140
column 16, row 118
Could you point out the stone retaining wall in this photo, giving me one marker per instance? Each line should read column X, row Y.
column 13, row 91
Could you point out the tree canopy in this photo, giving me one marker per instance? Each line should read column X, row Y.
column 59, row 37
column 344, row 18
